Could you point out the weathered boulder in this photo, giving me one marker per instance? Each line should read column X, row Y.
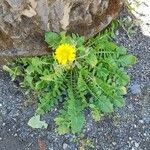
column 23, row 22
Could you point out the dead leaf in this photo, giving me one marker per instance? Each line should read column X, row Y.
column 41, row 145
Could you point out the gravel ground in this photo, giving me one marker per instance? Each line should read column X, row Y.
column 126, row 129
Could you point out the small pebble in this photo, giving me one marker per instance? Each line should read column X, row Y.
column 0, row 105
column 0, row 138
column 141, row 121
column 137, row 144
column 144, row 134
column 31, row 135
column 130, row 138
column 65, row 146
column 114, row 143
column 117, row 32
column 135, row 89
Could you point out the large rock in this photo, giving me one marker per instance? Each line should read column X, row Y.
column 23, row 22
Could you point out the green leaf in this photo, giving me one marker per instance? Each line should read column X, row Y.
column 6, row 68
column 77, row 122
column 28, row 80
column 75, row 113
column 36, row 123
column 48, row 100
column 30, row 69
column 122, row 90
column 102, row 72
column 127, row 60
column 14, row 72
column 122, row 77
column 53, row 39
column 71, row 118
column 63, row 126
column 121, row 50
column 47, row 77
column 96, row 114
column 40, row 85
column 65, row 38
column 92, row 59
column 62, row 129
column 79, row 40
column 105, row 105
column 119, row 102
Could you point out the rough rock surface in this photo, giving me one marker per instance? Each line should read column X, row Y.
column 23, row 22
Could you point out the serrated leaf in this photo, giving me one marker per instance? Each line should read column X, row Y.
column 30, row 69
column 28, row 80
column 92, row 59
column 96, row 113
column 122, row 77
column 63, row 126
column 53, row 39
column 39, row 85
column 119, row 102
column 127, row 60
column 105, row 105
column 62, row 129
column 6, row 68
column 77, row 123
column 122, row 90
column 47, row 78
column 79, row 41
column 14, row 72
column 65, row 38
column 121, row 50
column 36, row 123
column 75, row 113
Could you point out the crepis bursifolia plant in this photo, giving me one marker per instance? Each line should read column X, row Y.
column 77, row 74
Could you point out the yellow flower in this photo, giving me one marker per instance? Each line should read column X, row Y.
column 65, row 53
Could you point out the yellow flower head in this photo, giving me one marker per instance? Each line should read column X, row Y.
column 65, row 53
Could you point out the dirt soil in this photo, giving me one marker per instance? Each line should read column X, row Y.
column 126, row 129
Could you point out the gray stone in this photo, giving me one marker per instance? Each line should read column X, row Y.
column 136, row 144
column 65, row 146
column 135, row 89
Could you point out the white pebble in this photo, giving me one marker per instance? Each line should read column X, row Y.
column 137, row 144
column 65, row 146
column 141, row 121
